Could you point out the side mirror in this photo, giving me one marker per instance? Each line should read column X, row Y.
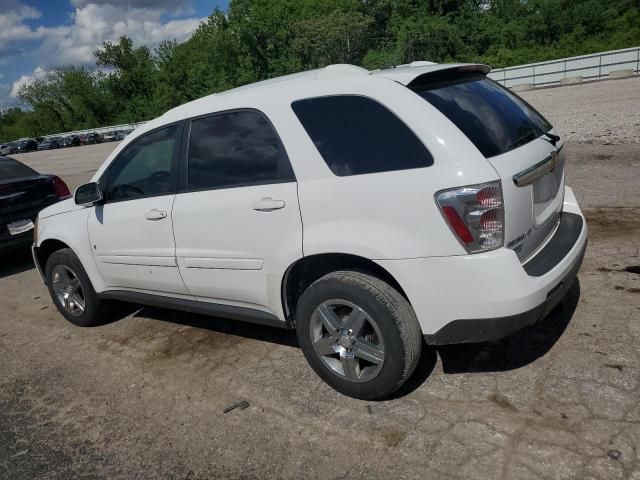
column 88, row 194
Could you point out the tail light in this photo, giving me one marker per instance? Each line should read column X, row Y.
column 62, row 191
column 475, row 214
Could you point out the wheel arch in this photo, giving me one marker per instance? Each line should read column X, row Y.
column 306, row 270
column 45, row 250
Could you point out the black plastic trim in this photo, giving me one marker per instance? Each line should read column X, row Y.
column 490, row 329
column 194, row 306
column 36, row 261
column 558, row 247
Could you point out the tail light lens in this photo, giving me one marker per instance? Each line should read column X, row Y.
column 62, row 191
column 475, row 214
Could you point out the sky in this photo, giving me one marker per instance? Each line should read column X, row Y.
column 37, row 35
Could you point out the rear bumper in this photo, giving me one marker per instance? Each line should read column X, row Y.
column 18, row 241
column 487, row 329
column 474, row 298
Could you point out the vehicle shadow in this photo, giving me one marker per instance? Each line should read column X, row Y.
column 275, row 335
column 16, row 260
column 517, row 350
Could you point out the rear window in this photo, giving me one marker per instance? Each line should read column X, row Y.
column 356, row 135
column 492, row 117
column 11, row 169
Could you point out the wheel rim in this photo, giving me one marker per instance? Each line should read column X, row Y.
column 68, row 290
column 347, row 340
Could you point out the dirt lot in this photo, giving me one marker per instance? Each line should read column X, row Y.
column 144, row 396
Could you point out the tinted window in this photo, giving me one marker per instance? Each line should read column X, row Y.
column 10, row 169
column 144, row 167
column 492, row 117
column 357, row 135
column 233, row 149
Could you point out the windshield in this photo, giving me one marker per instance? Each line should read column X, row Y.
column 492, row 117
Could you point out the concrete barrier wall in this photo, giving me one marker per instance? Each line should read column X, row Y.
column 590, row 67
column 107, row 129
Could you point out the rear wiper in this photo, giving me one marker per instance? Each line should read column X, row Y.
column 522, row 139
column 553, row 139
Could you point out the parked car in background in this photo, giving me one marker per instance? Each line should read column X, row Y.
column 23, row 192
column 433, row 202
column 109, row 136
column 121, row 135
column 90, row 139
column 24, row 146
column 70, row 141
column 49, row 143
column 5, row 148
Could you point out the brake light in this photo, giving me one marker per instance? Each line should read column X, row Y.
column 475, row 214
column 62, row 191
column 457, row 224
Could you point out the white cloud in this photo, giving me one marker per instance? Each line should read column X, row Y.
column 152, row 4
column 25, row 80
column 94, row 24
column 12, row 26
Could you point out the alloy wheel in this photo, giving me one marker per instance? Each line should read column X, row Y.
column 68, row 290
column 347, row 340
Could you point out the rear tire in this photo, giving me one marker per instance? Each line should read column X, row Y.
column 358, row 334
column 71, row 290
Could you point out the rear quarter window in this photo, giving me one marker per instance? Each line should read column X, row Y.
column 357, row 135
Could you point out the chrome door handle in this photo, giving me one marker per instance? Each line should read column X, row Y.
column 155, row 214
column 268, row 205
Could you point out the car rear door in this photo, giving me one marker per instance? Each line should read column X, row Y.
column 131, row 233
column 237, row 223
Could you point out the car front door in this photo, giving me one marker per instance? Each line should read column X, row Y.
column 237, row 223
column 131, row 233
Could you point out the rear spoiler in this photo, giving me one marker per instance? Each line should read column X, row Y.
column 413, row 75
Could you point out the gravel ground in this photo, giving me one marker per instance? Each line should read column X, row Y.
column 143, row 396
column 598, row 112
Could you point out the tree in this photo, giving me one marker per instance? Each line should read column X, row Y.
column 258, row 39
column 130, row 78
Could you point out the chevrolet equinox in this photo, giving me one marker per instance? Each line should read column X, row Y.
column 371, row 211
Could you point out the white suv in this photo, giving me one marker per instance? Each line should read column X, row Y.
column 367, row 210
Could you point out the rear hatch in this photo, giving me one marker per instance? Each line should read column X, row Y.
column 23, row 193
column 517, row 141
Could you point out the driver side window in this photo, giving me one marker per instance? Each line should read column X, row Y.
column 145, row 167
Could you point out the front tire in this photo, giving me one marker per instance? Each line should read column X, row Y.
column 359, row 334
column 71, row 289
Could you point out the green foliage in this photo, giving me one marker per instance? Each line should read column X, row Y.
column 258, row 39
